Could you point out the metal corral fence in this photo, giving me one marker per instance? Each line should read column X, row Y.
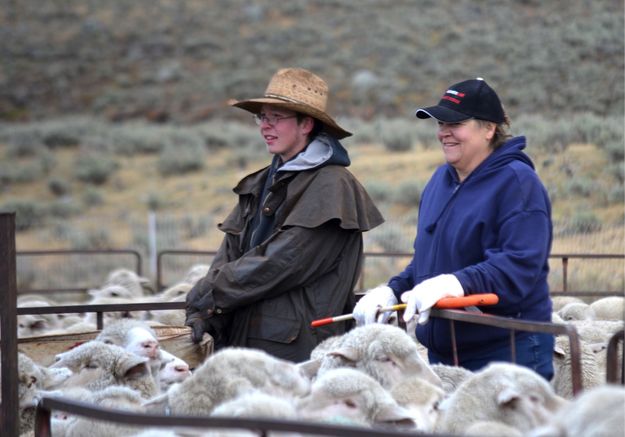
column 47, row 405
column 9, row 312
column 68, row 270
column 167, row 267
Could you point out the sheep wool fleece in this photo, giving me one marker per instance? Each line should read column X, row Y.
column 311, row 216
column 493, row 231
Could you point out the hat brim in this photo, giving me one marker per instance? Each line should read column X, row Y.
column 330, row 126
column 441, row 113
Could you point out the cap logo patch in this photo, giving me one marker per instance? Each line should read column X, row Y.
column 455, row 100
column 451, row 99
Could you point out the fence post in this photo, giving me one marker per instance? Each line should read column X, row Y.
column 8, row 324
column 152, row 242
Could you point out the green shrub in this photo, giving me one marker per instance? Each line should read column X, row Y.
column 92, row 197
column 28, row 214
column 155, row 201
column 94, row 168
column 63, row 209
column 582, row 186
column 138, row 138
column 584, row 222
column 91, row 239
column 181, row 158
column 58, row 187
column 379, row 191
column 408, row 193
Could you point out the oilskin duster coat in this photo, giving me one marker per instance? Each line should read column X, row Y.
column 289, row 260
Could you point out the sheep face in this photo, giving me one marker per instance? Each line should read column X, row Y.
column 347, row 395
column 384, row 352
column 34, row 380
column 172, row 371
column 141, row 342
column 504, row 392
column 229, row 373
column 111, row 291
column 97, row 365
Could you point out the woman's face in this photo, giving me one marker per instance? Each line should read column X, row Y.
column 282, row 133
column 465, row 144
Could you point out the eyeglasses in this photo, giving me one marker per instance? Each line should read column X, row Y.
column 271, row 120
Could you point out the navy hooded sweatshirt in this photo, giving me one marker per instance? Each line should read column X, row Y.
column 493, row 231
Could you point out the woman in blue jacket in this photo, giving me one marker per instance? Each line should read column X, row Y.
column 484, row 227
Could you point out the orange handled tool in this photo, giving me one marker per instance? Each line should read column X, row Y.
column 444, row 303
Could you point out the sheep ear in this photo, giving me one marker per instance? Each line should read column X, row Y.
column 394, row 414
column 347, row 353
column 559, row 351
column 158, row 404
column 56, row 376
column 598, row 347
column 507, row 396
column 310, row 368
column 132, row 366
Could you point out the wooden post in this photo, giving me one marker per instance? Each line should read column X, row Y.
column 8, row 324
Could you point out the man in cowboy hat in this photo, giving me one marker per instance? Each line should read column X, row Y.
column 292, row 250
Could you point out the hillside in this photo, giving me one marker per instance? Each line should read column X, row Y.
column 180, row 61
column 114, row 110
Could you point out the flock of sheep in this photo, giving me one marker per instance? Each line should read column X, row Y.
column 372, row 376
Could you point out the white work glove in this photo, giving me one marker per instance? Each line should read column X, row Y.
column 425, row 294
column 367, row 307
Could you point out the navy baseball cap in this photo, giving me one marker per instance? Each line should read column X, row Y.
column 472, row 98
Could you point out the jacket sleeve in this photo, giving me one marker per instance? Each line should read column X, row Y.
column 291, row 258
column 403, row 281
column 513, row 267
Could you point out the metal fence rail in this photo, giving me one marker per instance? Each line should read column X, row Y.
column 612, row 370
column 64, row 253
column 161, row 283
column 564, row 257
column 8, row 349
column 260, row 426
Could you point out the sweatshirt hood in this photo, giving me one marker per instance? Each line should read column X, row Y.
column 510, row 151
column 323, row 150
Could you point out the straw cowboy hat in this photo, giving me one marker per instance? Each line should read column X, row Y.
column 298, row 90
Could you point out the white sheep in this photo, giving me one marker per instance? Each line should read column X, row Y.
column 97, row 365
column 227, row 374
column 349, row 396
column 555, row 318
column 596, row 331
column 128, row 279
column 421, row 399
column 491, row 428
column 109, row 316
column 116, row 398
column 196, row 272
column 111, row 290
column 34, row 382
column 135, row 336
column 576, row 311
column 593, row 374
column 32, row 325
column 175, row 293
column 503, row 392
column 609, row 308
column 595, row 412
column 173, row 370
column 559, row 301
column 254, row 404
column 385, row 352
column 451, row 376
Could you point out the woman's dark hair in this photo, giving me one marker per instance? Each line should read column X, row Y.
column 317, row 125
column 501, row 131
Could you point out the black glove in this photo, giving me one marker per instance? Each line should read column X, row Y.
column 199, row 309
